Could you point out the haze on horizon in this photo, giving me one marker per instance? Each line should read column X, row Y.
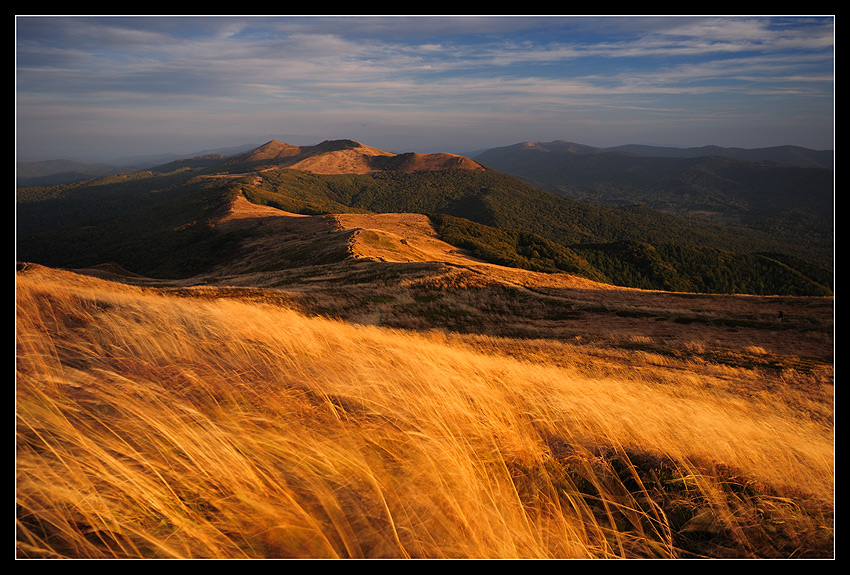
column 109, row 87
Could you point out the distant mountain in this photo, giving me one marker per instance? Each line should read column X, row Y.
column 786, row 192
column 56, row 172
column 159, row 222
column 786, row 155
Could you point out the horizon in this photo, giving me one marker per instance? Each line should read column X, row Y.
column 102, row 88
column 238, row 149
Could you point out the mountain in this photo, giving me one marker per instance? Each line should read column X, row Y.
column 343, row 157
column 54, row 172
column 161, row 222
column 786, row 192
column 788, row 155
column 57, row 172
column 728, row 183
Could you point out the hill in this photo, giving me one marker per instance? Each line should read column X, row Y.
column 157, row 222
column 373, row 409
column 796, row 156
column 343, row 157
column 39, row 173
column 54, row 172
column 248, row 360
column 785, row 192
column 509, row 216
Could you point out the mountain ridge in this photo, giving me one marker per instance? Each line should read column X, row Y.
column 345, row 157
column 784, row 191
column 798, row 156
column 160, row 221
column 61, row 171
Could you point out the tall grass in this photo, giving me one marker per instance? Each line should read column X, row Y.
column 155, row 426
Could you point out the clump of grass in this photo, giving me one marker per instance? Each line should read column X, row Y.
column 150, row 425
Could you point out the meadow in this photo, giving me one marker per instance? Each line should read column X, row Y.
column 153, row 423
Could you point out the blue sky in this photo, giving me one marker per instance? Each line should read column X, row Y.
column 92, row 87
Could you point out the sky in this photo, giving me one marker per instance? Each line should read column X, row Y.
column 110, row 87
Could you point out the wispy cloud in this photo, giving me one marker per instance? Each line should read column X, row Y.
column 554, row 72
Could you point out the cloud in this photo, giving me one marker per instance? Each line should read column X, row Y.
column 167, row 73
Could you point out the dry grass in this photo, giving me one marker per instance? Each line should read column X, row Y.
column 151, row 425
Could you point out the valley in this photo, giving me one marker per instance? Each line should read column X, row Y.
column 241, row 358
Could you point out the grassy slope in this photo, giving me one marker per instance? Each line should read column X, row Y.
column 509, row 416
column 186, row 424
column 506, row 221
column 144, row 220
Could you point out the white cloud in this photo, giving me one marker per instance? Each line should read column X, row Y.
column 213, row 74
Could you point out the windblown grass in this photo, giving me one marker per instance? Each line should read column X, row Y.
column 150, row 425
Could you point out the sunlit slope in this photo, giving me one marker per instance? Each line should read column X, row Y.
column 397, row 237
column 343, row 157
column 393, row 270
column 400, row 238
column 278, row 241
column 151, row 425
column 505, row 221
column 158, row 222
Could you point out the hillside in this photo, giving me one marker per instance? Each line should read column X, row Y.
column 54, row 172
column 241, row 359
column 342, row 157
column 157, row 222
column 512, row 216
column 787, row 193
column 393, row 269
column 787, row 155
column 371, row 409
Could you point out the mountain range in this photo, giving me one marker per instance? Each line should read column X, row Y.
column 509, row 206
column 755, row 187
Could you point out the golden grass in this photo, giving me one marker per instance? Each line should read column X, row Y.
column 150, row 425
